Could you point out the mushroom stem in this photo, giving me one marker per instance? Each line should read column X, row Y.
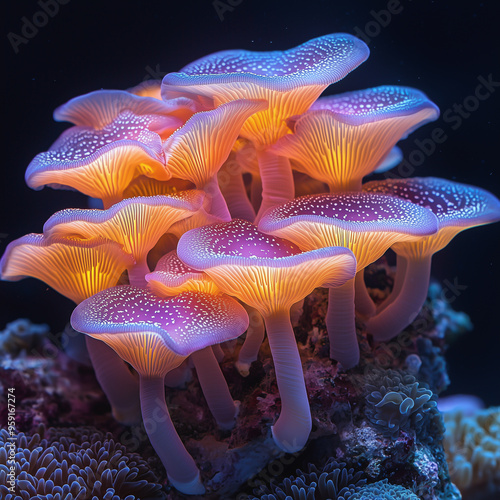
column 292, row 429
column 219, row 206
column 137, row 273
column 255, row 336
column 277, row 181
column 341, row 325
column 233, row 189
column 214, row 387
column 398, row 283
column 116, row 380
column 182, row 470
column 362, row 300
column 405, row 307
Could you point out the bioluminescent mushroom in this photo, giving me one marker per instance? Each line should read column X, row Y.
column 456, row 207
column 135, row 223
column 344, row 137
column 270, row 274
column 198, row 149
column 289, row 80
column 101, row 163
column 101, row 107
column 79, row 269
column 171, row 276
column 366, row 223
column 155, row 335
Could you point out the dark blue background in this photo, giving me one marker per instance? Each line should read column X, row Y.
column 439, row 47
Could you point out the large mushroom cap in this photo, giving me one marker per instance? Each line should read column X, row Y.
column 101, row 163
column 456, row 206
column 76, row 269
column 291, row 80
column 367, row 223
column 185, row 323
column 263, row 271
column 136, row 223
column 344, row 137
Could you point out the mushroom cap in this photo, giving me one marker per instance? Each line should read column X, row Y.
column 291, row 80
column 366, row 223
column 76, row 269
column 99, row 108
column 344, row 137
column 151, row 332
column 265, row 272
column 197, row 150
column 320, row 61
column 378, row 103
column 136, row 223
column 171, row 277
column 101, row 163
column 456, row 206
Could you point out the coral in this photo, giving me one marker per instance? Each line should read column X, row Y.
column 333, row 482
column 382, row 490
column 472, row 445
column 393, row 407
column 22, row 335
column 74, row 463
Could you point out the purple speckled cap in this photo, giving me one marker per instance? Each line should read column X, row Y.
column 238, row 242
column 80, row 146
column 357, row 212
column 186, row 323
column 99, row 108
column 320, row 61
column 453, row 203
column 378, row 103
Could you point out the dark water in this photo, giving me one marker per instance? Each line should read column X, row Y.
column 444, row 48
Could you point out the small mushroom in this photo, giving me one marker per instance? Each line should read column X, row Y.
column 457, row 207
column 155, row 335
column 366, row 223
column 270, row 274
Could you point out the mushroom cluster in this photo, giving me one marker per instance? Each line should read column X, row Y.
column 200, row 226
